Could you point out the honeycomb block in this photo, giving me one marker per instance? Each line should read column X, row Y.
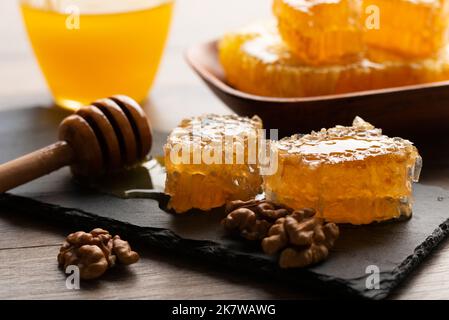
column 348, row 174
column 411, row 28
column 210, row 160
column 381, row 69
column 321, row 31
column 257, row 61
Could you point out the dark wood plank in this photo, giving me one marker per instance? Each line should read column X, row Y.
column 29, row 270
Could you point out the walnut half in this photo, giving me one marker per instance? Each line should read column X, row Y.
column 253, row 218
column 301, row 238
column 94, row 252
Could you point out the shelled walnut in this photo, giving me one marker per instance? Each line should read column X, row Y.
column 95, row 252
column 253, row 218
column 301, row 238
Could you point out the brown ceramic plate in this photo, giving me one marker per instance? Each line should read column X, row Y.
column 409, row 111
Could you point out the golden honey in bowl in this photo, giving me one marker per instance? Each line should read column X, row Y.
column 91, row 49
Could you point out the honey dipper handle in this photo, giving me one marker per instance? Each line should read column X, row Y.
column 34, row 165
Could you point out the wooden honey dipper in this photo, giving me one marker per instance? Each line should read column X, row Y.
column 99, row 139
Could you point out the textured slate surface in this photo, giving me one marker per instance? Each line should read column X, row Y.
column 395, row 248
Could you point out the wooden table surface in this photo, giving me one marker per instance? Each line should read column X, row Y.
column 28, row 248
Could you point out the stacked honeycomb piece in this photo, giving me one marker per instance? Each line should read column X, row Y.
column 321, row 32
column 321, row 47
column 411, row 28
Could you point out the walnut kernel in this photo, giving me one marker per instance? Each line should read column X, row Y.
column 94, row 252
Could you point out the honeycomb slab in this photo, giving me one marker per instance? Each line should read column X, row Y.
column 257, row 61
column 348, row 174
column 210, row 160
column 321, row 31
column 412, row 28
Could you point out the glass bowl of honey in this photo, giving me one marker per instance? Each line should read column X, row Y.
column 88, row 49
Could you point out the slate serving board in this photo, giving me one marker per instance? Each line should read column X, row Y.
column 395, row 249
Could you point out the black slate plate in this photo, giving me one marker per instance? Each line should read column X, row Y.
column 394, row 249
